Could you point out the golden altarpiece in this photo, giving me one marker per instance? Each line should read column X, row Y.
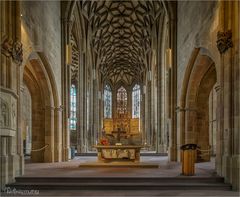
column 122, row 132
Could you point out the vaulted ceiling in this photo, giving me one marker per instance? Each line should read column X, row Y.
column 121, row 36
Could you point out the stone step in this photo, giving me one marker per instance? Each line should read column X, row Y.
column 120, row 179
column 120, row 186
column 120, row 183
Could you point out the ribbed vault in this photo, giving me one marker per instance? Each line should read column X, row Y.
column 121, row 36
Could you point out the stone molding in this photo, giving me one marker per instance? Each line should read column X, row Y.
column 224, row 41
column 181, row 109
column 59, row 109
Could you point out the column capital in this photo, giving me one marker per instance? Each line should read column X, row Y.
column 59, row 109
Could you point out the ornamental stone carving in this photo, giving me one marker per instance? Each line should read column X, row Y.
column 224, row 41
column 12, row 49
column 4, row 114
column 8, row 111
column 6, row 47
column 17, row 52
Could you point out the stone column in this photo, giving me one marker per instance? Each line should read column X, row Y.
column 148, row 126
column 81, row 82
column 79, row 118
column 173, row 89
column 65, row 73
column 86, row 131
column 91, row 108
column 228, row 166
column 219, row 140
column 58, row 134
column 236, row 97
column 160, row 108
column 11, row 163
column 95, row 112
column 142, row 126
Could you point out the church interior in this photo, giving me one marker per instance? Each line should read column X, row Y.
column 129, row 95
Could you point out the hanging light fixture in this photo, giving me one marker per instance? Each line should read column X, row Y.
column 68, row 54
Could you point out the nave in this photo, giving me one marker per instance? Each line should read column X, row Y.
column 89, row 87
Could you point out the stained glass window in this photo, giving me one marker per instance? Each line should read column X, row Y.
column 121, row 100
column 107, row 102
column 136, row 101
column 73, row 108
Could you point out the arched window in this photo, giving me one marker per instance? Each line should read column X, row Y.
column 73, row 108
column 136, row 101
column 122, row 100
column 107, row 102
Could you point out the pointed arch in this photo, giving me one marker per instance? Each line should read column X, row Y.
column 46, row 111
column 199, row 80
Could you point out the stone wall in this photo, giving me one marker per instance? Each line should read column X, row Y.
column 42, row 23
column 196, row 24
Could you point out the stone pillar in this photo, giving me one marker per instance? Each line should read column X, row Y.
column 66, row 84
column 80, row 97
column 79, row 107
column 173, row 88
column 228, row 166
column 101, row 108
column 152, row 78
column 58, row 134
column 148, row 126
column 142, row 126
column 11, row 162
column 236, row 97
column 160, row 107
column 219, row 140
column 95, row 112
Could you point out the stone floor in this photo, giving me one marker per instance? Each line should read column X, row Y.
column 167, row 169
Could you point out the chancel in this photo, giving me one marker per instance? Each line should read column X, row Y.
column 119, row 97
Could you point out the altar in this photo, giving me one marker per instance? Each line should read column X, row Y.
column 118, row 156
column 111, row 153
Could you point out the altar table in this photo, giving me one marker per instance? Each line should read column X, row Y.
column 108, row 153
